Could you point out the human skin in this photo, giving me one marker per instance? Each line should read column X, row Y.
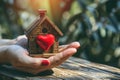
column 15, row 53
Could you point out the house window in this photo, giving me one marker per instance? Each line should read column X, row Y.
column 44, row 30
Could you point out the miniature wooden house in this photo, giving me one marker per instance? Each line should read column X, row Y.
column 42, row 26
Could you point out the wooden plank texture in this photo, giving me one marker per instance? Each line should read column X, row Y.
column 72, row 69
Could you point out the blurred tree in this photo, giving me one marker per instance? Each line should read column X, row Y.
column 97, row 28
column 58, row 7
column 10, row 19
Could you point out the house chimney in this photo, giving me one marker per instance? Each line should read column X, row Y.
column 42, row 12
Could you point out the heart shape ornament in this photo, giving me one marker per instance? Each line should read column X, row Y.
column 45, row 41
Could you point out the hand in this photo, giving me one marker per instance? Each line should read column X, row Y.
column 20, row 59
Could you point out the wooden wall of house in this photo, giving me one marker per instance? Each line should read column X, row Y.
column 32, row 45
column 55, row 47
column 44, row 28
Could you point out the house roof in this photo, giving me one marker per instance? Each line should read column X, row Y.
column 40, row 21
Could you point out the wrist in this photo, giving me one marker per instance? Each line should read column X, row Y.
column 4, row 42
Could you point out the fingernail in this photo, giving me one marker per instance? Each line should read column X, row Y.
column 45, row 63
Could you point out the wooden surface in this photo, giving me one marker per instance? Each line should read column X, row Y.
column 72, row 69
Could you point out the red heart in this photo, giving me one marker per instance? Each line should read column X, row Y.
column 45, row 41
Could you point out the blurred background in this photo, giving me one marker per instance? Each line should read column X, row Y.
column 94, row 23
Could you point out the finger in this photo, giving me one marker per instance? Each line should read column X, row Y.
column 36, row 63
column 20, row 57
column 61, row 57
column 71, row 45
column 33, row 70
column 25, row 60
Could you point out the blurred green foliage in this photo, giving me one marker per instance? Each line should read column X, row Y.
column 94, row 23
column 97, row 28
